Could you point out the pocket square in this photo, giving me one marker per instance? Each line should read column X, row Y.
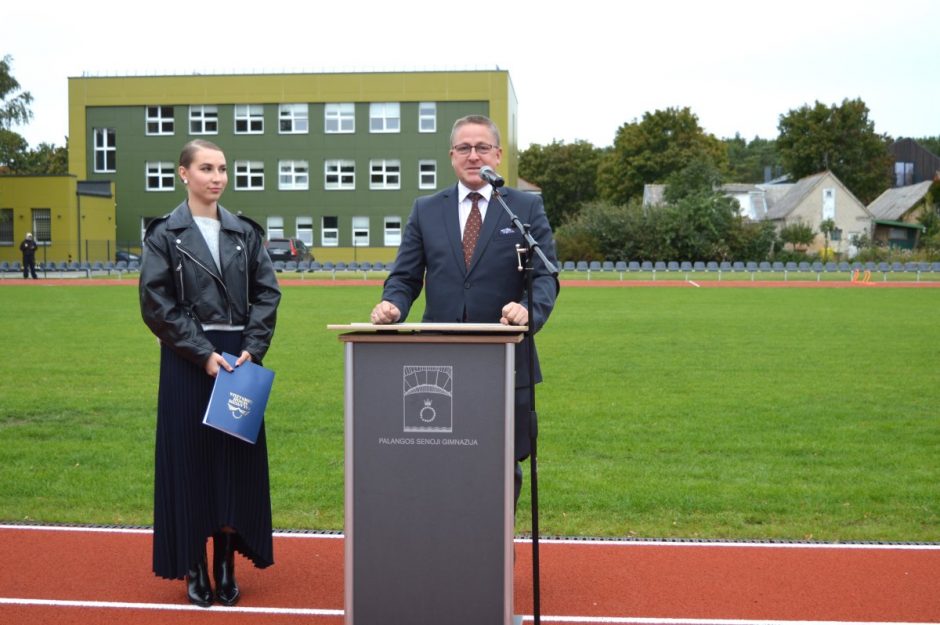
column 507, row 232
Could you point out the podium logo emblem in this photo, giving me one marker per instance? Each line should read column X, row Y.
column 428, row 398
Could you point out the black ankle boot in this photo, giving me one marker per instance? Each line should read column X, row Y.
column 223, row 568
column 198, row 590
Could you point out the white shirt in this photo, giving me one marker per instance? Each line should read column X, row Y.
column 466, row 204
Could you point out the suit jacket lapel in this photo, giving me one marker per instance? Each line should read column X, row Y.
column 451, row 213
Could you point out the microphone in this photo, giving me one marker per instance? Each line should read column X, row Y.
column 489, row 175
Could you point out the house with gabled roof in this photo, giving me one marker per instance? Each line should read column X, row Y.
column 897, row 213
column 819, row 197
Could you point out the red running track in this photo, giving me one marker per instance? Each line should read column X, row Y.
column 89, row 576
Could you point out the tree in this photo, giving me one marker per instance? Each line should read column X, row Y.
column 798, row 234
column 13, row 151
column 566, row 173
column 749, row 161
column 14, row 107
column 827, row 227
column 931, row 144
column 841, row 139
column 650, row 150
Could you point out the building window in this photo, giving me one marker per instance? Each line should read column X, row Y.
column 305, row 230
column 6, row 226
column 903, row 174
column 427, row 174
column 385, row 117
column 427, row 117
column 828, row 204
column 275, row 228
column 384, row 174
column 42, row 226
column 329, row 231
column 161, row 176
column 249, row 176
column 204, row 120
column 249, row 119
column 294, row 176
column 159, row 120
column 339, row 117
column 105, row 150
column 292, row 119
column 360, row 231
column 392, row 231
column 340, row 175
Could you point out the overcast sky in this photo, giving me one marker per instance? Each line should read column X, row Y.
column 580, row 69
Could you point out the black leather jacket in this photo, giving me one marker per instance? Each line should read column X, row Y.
column 181, row 287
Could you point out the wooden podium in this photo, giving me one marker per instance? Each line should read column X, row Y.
column 429, row 427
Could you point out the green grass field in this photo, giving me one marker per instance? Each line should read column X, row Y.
column 698, row 413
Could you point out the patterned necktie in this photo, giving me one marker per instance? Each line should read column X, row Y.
column 471, row 231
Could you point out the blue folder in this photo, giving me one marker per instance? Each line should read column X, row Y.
column 238, row 399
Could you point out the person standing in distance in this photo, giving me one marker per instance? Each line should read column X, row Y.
column 207, row 286
column 482, row 284
column 28, row 248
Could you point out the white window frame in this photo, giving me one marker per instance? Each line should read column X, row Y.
column 293, row 119
column 392, row 231
column 249, row 175
column 339, row 175
column 250, row 117
column 360, row 231
column 205, row 117
column 275, row 227
column 427, row 179
column 304, row 229
column 427, row 116
column 293, row 175
column 339, row 118
column 6, row 227
column 384, row 117
column 384, row 174
column 42, row 225
column 105, row 149
column 329, row 235
column 159, row 120
column 160, row 176
column 828, row 203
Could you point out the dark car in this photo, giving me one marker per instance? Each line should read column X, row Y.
column 287, row 249
column 126, row 256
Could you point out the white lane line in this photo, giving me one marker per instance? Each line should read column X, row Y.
column 527, row 617
column 124, row 605
column 703, row 621
column 695, row 284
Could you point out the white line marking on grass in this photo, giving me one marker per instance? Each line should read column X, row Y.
column 543, row 540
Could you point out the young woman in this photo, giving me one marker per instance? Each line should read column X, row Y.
column 206, row 286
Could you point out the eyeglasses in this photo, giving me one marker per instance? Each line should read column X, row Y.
column 482, row 148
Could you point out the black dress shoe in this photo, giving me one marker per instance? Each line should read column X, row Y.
column 223, row 568
column 198, row 590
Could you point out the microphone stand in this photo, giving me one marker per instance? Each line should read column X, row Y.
column 531, row 246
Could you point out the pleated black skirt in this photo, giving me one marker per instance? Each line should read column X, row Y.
column 204, row 479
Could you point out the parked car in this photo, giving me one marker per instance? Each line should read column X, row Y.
column 126, row 256
column 287, row 249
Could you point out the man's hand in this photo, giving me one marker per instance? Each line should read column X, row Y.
column 385, row 312
column 514, row 314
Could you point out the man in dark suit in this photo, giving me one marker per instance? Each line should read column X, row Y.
column 461, row 247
